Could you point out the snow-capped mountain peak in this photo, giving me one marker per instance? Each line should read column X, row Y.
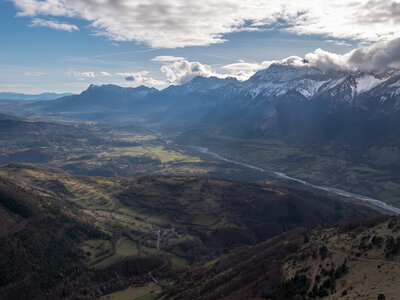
column 310, row 82
column 278, row 79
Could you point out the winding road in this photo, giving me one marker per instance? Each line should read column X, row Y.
column 372, row 201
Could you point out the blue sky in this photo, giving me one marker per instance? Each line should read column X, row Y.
column 44, row 57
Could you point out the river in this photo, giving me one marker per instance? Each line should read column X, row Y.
column 372, row 201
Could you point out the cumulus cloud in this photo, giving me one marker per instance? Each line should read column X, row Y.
column 324, row 60
column 141, row 78
column 375, row 57
column 182, row 71
column 53, row 24
column 180, row 23
column 378, row 57
column 178, row 70
column 167, row 58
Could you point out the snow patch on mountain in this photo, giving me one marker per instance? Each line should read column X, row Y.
column 277, row 80
column 333, row 83
column 367, row 82
column 310, row 88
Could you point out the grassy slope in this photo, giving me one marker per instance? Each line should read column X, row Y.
column 191, row 204
column 209, row 216
column 358, row 260
column 99, row 150
column 145, row 292
column 371, row 260
column 39, row 242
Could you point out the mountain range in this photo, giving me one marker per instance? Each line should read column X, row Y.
column 282, row 100
column 351, row 88
column 346, row 118
column 171, row 220
column 346, row 122
column 35, row 97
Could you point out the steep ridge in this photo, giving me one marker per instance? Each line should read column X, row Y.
column 39, row 241
column 82, row 237
column 247, row 273
column 352, row 261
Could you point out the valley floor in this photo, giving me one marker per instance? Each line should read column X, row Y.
column 328, row 171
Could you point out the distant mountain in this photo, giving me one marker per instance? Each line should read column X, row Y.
column 203, row 85
column 43, row 96
column 350, row 116
column 355, row 114
column 282, row 101
column 102, row 98
column 280, row 84
column 310, row 82
column 301, row 105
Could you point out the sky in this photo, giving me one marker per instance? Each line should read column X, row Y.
column 66, row 45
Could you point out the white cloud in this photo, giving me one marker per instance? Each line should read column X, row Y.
column 378, row 56
column 137, row 77
column 141, row 78
column 324, row 60
column 180, row 23
column 339, row 43
column 166, row 58
column 103, row 74
column 34, row 74
column 85, row 74
column 243, row 70
column 182, row 71
column 53, row 24
column 90, row 74
column 177, row 70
